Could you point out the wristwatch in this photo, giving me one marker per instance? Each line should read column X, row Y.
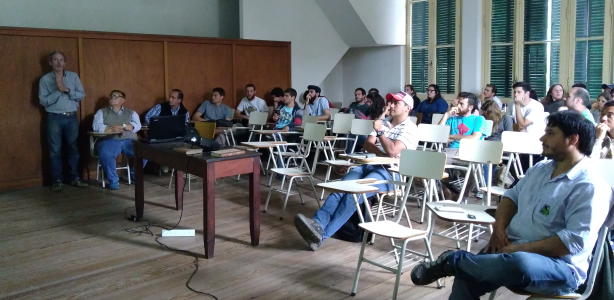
column 379, row 133
column 124, row 126
column 68, row 92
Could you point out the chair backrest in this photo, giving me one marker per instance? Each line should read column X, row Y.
column 436, row 118
column 314, row 132
column 361, row 127
column 605, row 167
column 433, row 133
column 337, row 105
column 258, row 118
column 521, row 142
column 310, row 120
column 343, row 123
column 413, row 119
column 422, row 164
column 333, row 112
column 478, row 151
column 595, row 262
column 205, row 129
column 489, row 124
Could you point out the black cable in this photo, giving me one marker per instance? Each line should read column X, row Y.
column 148, row 231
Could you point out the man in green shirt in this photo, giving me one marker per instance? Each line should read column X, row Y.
column 579, row 99
column 360, row 104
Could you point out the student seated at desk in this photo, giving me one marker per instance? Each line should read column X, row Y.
column 115, row 119
column 172, row 107
column 249, row 104
column 387, row 139
column 290, row 114
column 317, row 105
column 546, row 226
column 214, row 110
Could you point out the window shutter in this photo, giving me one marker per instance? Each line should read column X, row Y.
column 502, row 56
column 446, row 36
column 588, row 60
column 419, row 38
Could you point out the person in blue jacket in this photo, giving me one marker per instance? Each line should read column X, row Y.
column 434, row 104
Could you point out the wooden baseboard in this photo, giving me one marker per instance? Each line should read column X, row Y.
column 21, row 184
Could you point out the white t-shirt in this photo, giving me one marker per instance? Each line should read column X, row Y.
column 257, row 104
column 534, row 111
column 496, row 99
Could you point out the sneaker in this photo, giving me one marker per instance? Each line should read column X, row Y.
column 479, row 195
column 57, row 186
column 309, row 230
column 114, row 185
column 429, row 272
column 77, row 182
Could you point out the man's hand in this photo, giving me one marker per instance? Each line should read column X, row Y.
column 377, row 125
column 453, row 111
column 61, row 87
column 129, row 127
column 511, row 248
column 498, row 241
column 307, row 98
column 595, row 106
column 286, row 128
column 482, row 98
column 245, row 117
column 518, row 100
column 602, row 130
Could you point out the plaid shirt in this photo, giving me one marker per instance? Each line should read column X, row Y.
column 406, row 132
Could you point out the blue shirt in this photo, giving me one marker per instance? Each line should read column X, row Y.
column 285, row 117
column 56, row 101
column 155, row 111
column 573, row 206
column 427, row 109
column 318, row 107
column 466, row 126
column 212, row 112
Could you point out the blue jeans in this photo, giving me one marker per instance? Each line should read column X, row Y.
column 63, row 129
column 361, row 140
column 108, row 151
column 494, row 170
column 476, row 275
column 339, row 207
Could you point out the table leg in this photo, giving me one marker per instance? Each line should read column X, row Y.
column 139, row 188
column 179, row 183
column 209, row 209
column 254, row 202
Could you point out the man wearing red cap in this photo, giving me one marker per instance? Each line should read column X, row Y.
column 387, row 139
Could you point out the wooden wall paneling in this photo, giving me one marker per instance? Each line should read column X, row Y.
column 264, row 66
column 24, row 156
column 198, row 68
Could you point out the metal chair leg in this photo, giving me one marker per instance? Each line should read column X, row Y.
column 283, row 210
column 360, row 258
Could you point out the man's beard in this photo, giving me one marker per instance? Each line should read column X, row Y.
column 252, row 98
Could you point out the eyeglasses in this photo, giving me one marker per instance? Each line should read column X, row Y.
column 114, row 96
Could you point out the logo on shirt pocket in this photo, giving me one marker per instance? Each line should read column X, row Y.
column 545, row 210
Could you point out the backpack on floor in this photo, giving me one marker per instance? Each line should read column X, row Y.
column 350, row 232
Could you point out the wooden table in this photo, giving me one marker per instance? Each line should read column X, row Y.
column 207, row 167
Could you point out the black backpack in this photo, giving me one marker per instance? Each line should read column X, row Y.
column 350, row 231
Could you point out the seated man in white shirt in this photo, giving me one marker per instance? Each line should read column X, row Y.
column 526, row 112
column 316, row 105
column 387, row 139
column 490, row 93
column 250, row 103
column 124, row 123
column 546, row 226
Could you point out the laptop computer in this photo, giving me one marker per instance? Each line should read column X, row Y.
column 164, row 129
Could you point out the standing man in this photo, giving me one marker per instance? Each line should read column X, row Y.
column 125, row 123
column 360, row 95
column 250, row 103
column 578, row 100
column 316, row 105
column 490, row 93
column 60, row 92
column 214, row 110
column 172, row 107
column 526, row 112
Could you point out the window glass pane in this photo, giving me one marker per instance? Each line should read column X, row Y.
column 502, row 21
column 534, row 67
column 419, row 69
column 501, row 64
column 445, row 69
column 419, row 24
column 446, row 22
column 588, row 65
column 589, row 18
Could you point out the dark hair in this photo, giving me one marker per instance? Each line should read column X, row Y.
column 220, row 91
column 250, row 85
column 472, row 99
column 361, row 90
column 525, row 86
column 548, row 99
column 437, row 93
column 305, row 95
column 533, row 95
column 493, row 87
column 491, row 111
column 277, row 92
column 584, row 95
column 118, row 91
column 411, row 87
column 608, row 104
column 572, row 122
column 581, row 85
column 54, row 53
column 606, row 96
column 373, row 90
column 378, row 105
column 179, row 93
column 291, row 91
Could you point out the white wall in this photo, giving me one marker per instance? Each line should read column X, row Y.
column 373, row 67
column 385, row 20
column 203, row 18
column 471, row 47
column 332, row 86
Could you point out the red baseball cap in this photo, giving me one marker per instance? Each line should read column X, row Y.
column 401, row 96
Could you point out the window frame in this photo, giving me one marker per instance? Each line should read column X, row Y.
column 432, row 46
column 567, row 42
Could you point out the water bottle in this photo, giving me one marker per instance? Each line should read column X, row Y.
column 504, row 108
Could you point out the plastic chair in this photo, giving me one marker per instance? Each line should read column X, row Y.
column 436, row 118
column 309, row 120
column 436, row 134
column 256, row 118
column 413, row 163
column 333, row 112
